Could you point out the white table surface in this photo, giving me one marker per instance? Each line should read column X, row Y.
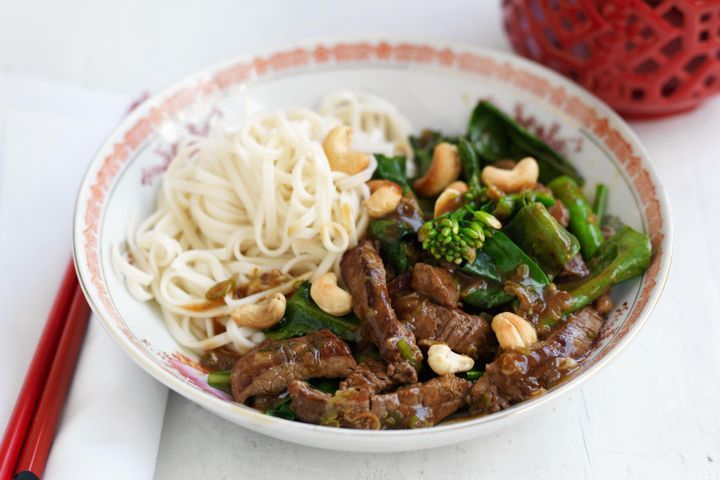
column 652, row 413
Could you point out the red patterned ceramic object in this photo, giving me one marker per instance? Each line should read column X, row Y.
column 646, row 58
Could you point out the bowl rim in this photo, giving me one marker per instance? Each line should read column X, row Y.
column 255, row 420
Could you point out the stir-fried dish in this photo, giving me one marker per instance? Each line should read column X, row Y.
column 482, row 279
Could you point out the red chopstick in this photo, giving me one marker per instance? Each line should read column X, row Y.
column 36, row 376
column 39, row 439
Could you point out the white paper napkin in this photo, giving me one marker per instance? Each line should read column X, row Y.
column 113, row 417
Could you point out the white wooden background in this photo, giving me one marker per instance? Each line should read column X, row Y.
column 653, row 413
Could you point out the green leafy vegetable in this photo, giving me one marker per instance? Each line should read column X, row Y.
column 483, row 266
column 303, row 316
column 496, row 136
column 487, row 296
column 326, row 385
column 543, row 238
column 583, row 221
column 282, row 409
column 396, row 239
column 393, row 169
column 507, row 258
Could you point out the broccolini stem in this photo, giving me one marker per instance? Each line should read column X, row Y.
column 601, row 201
column 583, row 221
column 471, row 169
column 220, row 380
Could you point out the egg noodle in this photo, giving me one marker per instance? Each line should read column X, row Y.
column 259, row 199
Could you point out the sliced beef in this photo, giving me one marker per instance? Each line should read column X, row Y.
column 364, row 274
column 347, row 408
column 420, row 405
column 484, row 398
column 432, row 323
column 516, row 376
column 219, row 359
column 560, row 212
column 539, row 306
column 574, row 269
column 436, row 283
column 400, row 285
column 369, row 375
column 270, row 367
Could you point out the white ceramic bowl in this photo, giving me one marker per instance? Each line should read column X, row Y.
column 436, row 85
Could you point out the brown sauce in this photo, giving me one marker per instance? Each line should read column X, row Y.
column 258, row 282
column 536, row 302
column 409, row 212
column 204, row 306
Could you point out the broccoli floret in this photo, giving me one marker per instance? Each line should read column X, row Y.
column 456, row 236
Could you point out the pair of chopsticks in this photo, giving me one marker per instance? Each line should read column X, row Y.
column 31, row 429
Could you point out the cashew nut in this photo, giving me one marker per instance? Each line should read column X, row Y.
column 337, row 149
column 445, row 168
column 262, row 315
column 523, row 175
column 459, row 185
column 513, row 332
column 450, row 199
column 329, row 297
column 385, row 197
column 444, row 361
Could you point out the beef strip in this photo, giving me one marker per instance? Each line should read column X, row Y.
column 516, row 376
column 419, row 405
column 219, row 359
column 574, row 269
column 369, row 375
column 271, row 366
column 400, row 285
column 348, row 408
column 436, row 283
column 364, row 274
column 432, row 323
column 560, row 212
